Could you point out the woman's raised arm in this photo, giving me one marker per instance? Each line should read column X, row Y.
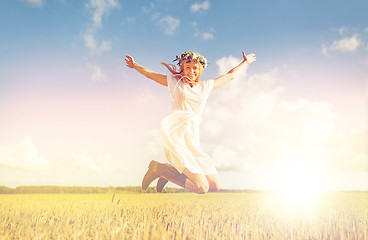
column 159, row 78
column 220, row 81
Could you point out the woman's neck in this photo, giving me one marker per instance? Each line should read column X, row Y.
column 187, row 80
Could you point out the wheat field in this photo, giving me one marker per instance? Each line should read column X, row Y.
column 253, row 215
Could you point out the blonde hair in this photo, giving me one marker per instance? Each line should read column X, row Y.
column 174, row 71
column 172, row 68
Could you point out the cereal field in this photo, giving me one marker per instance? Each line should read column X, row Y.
column 254, row 215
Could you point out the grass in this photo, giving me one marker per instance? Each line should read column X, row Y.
column 256, row 215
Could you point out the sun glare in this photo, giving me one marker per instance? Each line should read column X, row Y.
column 298, row 186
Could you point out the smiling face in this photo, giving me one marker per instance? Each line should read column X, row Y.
column 192, row 69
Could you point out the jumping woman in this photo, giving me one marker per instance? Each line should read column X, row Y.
column 190, row 167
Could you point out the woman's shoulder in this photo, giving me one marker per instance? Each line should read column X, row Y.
column 173, row 79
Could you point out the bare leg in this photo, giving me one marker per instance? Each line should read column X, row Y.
column 196, row 182
column 214, row 182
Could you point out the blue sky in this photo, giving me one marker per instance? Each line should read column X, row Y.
column 71, row 113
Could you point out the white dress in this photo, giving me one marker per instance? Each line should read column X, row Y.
column 180, row 130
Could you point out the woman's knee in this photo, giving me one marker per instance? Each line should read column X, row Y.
column 202, row 188
column 215, row 187
column 198, row 182
column 214, row 183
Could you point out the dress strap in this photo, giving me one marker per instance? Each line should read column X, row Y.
column 178, row 80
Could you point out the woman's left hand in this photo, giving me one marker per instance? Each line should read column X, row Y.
column 249, row 58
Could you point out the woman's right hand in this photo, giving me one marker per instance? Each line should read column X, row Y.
column 159, row 78
column 129, row 61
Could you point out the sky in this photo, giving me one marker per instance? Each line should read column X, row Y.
column 72, row 113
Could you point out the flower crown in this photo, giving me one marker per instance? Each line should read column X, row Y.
column 192, row 55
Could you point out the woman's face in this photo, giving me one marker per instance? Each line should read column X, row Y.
column 191, row 69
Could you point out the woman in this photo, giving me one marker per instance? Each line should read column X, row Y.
column 190, row 167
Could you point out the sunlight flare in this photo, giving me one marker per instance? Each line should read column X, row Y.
column 298, row 185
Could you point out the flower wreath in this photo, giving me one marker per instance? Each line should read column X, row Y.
column 191, row 55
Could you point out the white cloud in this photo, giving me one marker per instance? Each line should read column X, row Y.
column 89, row 38
column 247, row 126
column 324, row 50
column 348, row 44
column 97, row 74
column 105, row 45
column 224, row 64
column 148, row 10
column 92, row 44
column 350, row 41
column 155, row 16
column 202, row 35
column 342, row 30
column 154, row 148
column 80, row 162
column 22, row 155
column 130, row 20
column 227, row 158
column 169, row 24
column 196, row 7
column 151, row 11
column 36, row 3
column 207, row 35
column 100, row 8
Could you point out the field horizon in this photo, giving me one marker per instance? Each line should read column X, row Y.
column 34, row 189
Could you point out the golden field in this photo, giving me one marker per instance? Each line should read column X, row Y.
column 252, row 215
